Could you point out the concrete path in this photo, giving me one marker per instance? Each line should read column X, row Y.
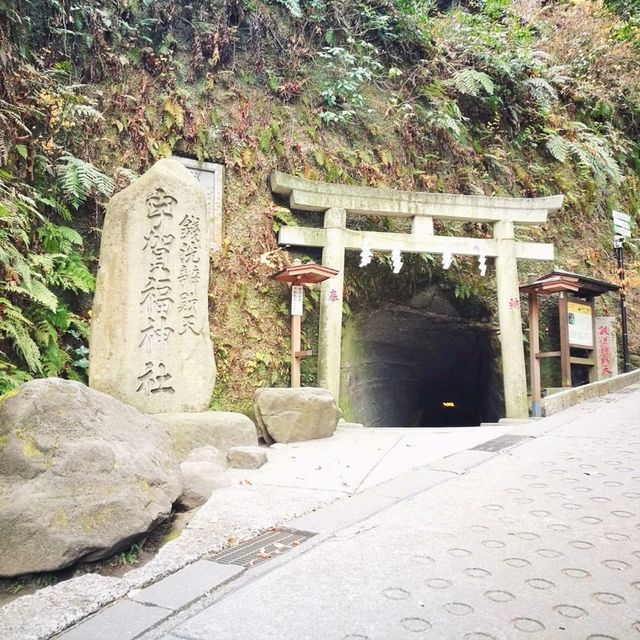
column 539, row 539
column 299, row 479
column 356, row 458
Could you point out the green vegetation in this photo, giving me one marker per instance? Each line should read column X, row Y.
column 493, row 97
column 127, row 557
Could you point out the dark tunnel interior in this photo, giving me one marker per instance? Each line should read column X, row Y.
column 409, row 367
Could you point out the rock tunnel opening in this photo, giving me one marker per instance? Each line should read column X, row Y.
column 420, row 365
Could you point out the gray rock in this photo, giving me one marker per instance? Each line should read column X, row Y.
column 350, row 425
column 246, row 457
column 220, row 429
column 150, row 343
column 81, row 476
column 208, row 454
column 292, row 415
column 203, row 471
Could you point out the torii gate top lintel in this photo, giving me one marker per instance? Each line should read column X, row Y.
column 312, row 195
column 336, row 201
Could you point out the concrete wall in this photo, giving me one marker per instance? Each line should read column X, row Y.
column 565, row 399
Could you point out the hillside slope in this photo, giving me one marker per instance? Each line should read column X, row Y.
column 495, row 97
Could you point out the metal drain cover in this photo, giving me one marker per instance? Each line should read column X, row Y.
column 266, row 546
column 497, row 444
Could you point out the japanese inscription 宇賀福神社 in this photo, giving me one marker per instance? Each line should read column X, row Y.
column 156, row 297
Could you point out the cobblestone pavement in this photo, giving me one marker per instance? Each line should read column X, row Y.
column 540, row 541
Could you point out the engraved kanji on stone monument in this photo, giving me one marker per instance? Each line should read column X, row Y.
column 606, row 348
column 150, row 344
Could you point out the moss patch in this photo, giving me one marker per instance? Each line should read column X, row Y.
column 97, row 519
column 60, row 519
column 29, row 447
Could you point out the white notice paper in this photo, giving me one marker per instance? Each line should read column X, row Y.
column 297, row 295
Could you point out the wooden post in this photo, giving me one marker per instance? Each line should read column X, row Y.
column 534, row 361
column 295, row 349
column 565, row 350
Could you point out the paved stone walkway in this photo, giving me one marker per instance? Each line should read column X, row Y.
column 541, row 541
column 538, row 540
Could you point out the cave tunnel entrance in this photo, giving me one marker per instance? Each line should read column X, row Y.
column 420, row 364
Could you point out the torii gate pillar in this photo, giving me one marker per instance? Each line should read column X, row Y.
column 330, row 331
column 511, row 336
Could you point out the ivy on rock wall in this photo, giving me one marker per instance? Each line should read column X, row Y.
column 492, row 97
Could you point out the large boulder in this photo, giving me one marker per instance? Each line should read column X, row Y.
column 81, row 476
column 219, row 429
column 291, row 415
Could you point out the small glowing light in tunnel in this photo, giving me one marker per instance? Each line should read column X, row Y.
column 449, row 405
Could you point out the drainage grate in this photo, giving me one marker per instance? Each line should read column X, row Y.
column 497, row 444
column 267, row 545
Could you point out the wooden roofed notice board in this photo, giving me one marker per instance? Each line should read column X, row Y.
column 578, row 327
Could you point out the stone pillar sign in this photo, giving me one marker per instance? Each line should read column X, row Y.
column 150, row 344
column 606, row 348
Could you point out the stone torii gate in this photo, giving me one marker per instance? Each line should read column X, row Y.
column 336, row 201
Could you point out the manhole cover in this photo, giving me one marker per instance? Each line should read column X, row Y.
column 267, row 545
column 497, row 444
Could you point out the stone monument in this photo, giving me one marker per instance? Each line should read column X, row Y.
column 150, row 344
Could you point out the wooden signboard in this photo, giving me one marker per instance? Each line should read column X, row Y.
column 580, row 321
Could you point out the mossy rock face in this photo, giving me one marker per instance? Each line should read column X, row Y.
column 81, row 474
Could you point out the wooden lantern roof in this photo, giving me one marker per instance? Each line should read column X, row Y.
column 558, row 281
column 309, row 273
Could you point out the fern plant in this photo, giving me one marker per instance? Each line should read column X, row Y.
column 292, row 6
column 445, row 116
column 39, row 262
column 16, row 329
column 542, row 92
column 437, row 110
column 84, row 111
column 78, row 179
column 472, row 82
column 591, row 152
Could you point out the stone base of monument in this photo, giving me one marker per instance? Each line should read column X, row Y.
column 220, row 429
column 292, row 415
column 83, row 475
